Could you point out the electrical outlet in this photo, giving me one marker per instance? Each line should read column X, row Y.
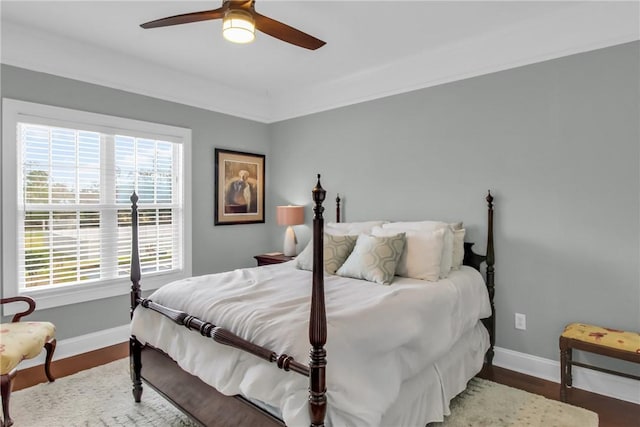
column 521, row 321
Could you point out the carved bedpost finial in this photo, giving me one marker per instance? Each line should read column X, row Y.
column 490, row 251
column 338, row 215
column 490, row 254
column 318, row 193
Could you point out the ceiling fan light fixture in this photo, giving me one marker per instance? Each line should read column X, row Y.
column 238, row 26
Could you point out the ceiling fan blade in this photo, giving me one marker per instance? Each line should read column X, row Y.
column 186, row 18
column 286, row 33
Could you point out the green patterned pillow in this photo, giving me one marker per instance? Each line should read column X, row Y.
column 336, row 250
column 374, row 258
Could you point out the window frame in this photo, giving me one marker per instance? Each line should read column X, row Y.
column 15, row 111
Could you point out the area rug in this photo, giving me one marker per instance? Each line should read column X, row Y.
column 488, row 404
column 102, row 397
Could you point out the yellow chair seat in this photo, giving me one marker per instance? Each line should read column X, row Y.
column 621, row 340
column 22, row 340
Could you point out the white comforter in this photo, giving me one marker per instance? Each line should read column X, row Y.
column 378, row 336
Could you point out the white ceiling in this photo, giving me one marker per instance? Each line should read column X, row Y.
column 374, row 48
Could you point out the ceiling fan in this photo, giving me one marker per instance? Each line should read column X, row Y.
column 239, row 22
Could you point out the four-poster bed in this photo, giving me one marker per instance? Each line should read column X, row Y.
column 207, row 405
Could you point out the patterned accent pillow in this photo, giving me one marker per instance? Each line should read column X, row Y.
column 374, row 258
column 336, row 251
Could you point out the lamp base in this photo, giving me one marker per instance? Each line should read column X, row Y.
column 290, row 242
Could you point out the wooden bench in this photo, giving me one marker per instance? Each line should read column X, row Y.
column 614, row 343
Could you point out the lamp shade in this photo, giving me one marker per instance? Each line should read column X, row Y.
column 290, row 215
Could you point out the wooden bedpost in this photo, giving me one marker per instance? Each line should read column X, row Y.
column 135, row 356
column 318, row 317
column 338, row 217
column 491, row 321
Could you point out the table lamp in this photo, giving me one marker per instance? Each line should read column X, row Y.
column 289, row 216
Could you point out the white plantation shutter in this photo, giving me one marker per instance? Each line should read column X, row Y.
column 74, row 221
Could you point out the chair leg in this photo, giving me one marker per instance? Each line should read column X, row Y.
column 6, row 384
column 565, row 368
column 50, row 347
column 569, row 367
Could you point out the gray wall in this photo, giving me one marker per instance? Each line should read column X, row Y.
column 214, row 248
column 556, row 142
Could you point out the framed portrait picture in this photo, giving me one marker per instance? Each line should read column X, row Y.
column 239, row 187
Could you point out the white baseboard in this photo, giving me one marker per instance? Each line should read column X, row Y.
column 585, row 379
column 82, row 344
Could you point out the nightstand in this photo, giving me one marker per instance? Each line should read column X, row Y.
column 266, row 259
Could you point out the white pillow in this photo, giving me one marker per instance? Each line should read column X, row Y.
column 446, row 260
column 456, row 225
column 415, row 225
column 458, row 248
column 336, row 249
column 374, row 258
column 351, row 228
column 422, row 253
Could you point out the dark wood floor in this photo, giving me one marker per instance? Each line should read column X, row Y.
column 611, row 412
column 71, row 365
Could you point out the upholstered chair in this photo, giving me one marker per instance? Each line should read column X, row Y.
column 20, row 341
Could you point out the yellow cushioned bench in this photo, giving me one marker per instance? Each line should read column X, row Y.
column 609, row 342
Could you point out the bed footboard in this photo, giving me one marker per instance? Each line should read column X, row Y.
column 317, row 323
column 225, row 337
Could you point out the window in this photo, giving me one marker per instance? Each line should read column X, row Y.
column 67, row 180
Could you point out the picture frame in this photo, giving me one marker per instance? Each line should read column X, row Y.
column 239, row 187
